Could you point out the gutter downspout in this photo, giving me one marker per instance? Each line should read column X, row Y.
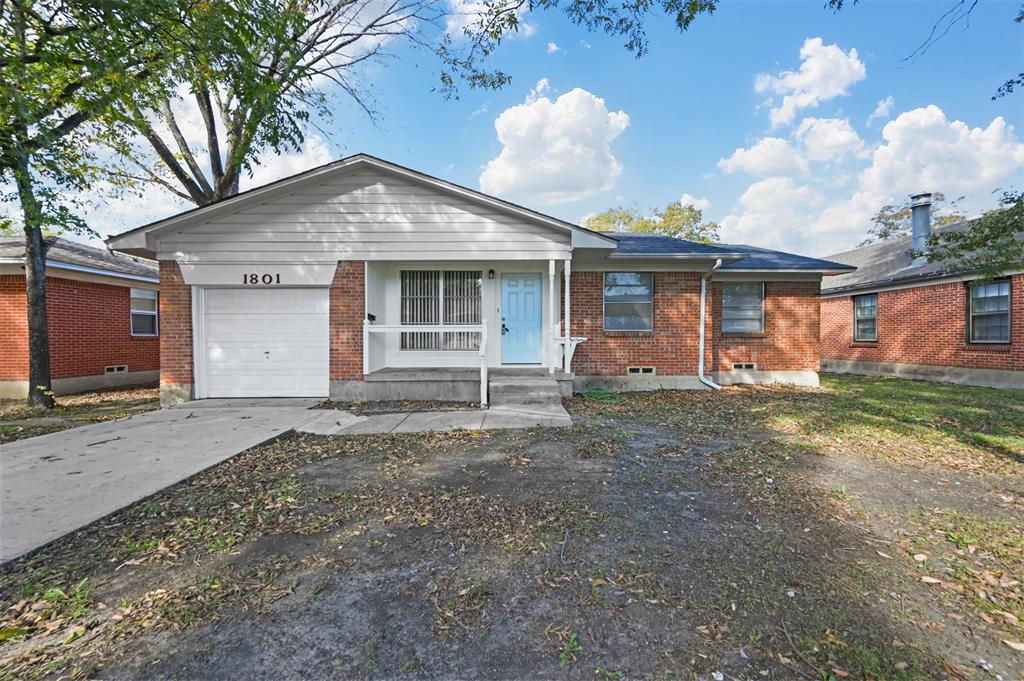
column 703, row 316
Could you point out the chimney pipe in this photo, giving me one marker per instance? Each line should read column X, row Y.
column 920, row 226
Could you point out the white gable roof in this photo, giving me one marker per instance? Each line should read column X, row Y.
column 359, row 208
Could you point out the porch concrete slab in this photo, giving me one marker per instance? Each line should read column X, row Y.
column 514, row 418
column 371, row 425
column 345, row 423
column 54, row 484
column 332, row 422
column 434, row 421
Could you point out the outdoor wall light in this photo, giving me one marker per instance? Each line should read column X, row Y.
column 490, row 274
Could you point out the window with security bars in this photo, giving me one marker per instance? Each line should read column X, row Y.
column 435, row 298
column 865, row 317
column 989, row 312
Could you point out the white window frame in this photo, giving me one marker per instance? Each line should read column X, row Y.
column 856, row 338
column 971, row 314
column 604, row 304
column 440, row 310
column 763, row 296
column 155, row 312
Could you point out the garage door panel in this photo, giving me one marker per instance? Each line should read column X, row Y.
column 266, row 342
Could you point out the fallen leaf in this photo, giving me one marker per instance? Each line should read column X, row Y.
column 1016, row 645
column 883, row 555
column 930, row 580
column 920, row 557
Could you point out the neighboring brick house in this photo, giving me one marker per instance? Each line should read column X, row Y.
column 101, row 308
column 897, row 316
column 364, row 279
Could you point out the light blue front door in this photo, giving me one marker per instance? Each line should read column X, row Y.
column 520, row 323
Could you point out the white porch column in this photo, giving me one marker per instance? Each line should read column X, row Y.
column 552, row 349
column 566, row 355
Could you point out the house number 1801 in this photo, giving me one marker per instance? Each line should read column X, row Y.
column 253, row 278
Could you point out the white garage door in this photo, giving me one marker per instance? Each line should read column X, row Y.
column 266, row 342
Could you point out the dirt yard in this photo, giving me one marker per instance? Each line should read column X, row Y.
column 870, row 529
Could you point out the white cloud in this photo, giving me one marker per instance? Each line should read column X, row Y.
column 826, row 139
column 924, row 151
column 825, row 72
column 314, row 152
column 553, row 47
column 883, row 110
column 699, row 204
column 555, row 151
column 773, row 212
column 770, row 156
column 466, row 15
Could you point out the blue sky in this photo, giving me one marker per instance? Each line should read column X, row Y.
column 605, row 128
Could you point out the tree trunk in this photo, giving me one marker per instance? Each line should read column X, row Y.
column 40, row 393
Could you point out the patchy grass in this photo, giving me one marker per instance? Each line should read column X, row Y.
column 18, row 421
column 754, row 533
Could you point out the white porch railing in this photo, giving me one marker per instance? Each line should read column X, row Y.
column 480, row 328
column 567, row 347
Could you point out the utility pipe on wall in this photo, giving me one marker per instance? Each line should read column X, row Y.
column 703, row 315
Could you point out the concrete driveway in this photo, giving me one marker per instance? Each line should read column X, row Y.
column 54, row 484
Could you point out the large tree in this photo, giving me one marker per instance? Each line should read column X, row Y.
column 678, row 220
column 64, row 64
column 991, row 245
column 257, row 81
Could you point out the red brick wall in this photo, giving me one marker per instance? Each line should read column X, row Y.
column 347, row 303
column 671, row 347
column 13, row 329
column 175, row 326
column 790, row 341
column 923, row 325
column 90, row 328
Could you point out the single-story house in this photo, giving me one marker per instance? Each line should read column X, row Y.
column 362, row 279
column 102, row 313
column 897, row 315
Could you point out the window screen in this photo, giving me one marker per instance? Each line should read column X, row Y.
column 865, row 314
column 990, row 312
column 144, row 312
column 743, row 307
column 628, row 301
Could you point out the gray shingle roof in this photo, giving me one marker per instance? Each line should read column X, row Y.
column 756, row 258
column 767, row 259
column 888, row 262
column 12, row 248
column 632, row 243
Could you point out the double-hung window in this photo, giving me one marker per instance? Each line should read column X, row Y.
column 743, row 307
column 628, row 301
column 144, row 312
column 865, row 317
column 441, row 298
column 989, row 312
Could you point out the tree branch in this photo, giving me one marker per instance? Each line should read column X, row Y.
column 186, row 152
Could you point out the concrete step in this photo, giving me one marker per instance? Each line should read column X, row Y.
column 524, row 390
